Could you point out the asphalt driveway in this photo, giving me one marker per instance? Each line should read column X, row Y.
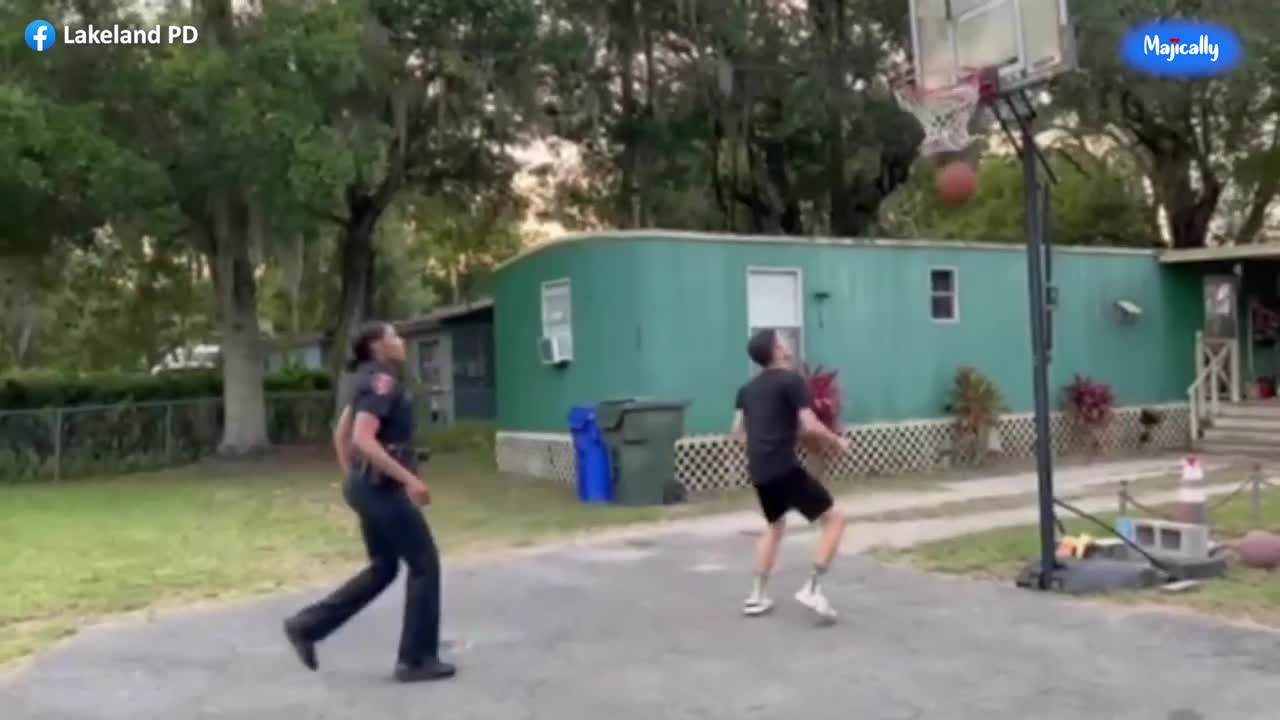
column 650, row 630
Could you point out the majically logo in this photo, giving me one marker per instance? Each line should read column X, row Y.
column 1184, row 48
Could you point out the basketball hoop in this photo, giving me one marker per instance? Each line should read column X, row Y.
column 944, row 113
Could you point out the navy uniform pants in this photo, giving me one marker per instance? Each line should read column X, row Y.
column 394, row 530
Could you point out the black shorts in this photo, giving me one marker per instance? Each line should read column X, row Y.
column 797, row 490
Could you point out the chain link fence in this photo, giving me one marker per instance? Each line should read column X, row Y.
column 62, row 443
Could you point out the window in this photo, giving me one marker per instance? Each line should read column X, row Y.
column 944, row 295
column 430, row 361
column 557, row 313
column 775, row 301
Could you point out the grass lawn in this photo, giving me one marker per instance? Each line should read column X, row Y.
column 1243, row 594
column 80, row 550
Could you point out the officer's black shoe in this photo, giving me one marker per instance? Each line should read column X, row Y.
column 305, row 649
column 433, row 669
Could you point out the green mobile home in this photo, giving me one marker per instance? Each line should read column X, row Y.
column 667, row 315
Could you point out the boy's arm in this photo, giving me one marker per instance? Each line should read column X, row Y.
column 810, row 425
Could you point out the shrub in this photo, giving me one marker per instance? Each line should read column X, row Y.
column 976, row 403
column 474, row 437
column 824, row 395
column 1149, row 420
column 1090, row 404
column 29, row 390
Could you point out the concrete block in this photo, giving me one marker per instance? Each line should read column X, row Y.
column 1169, row 539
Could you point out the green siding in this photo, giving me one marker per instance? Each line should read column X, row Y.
column 605, row 308
column 668, row 317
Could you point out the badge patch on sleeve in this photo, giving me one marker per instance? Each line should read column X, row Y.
column 383, row 384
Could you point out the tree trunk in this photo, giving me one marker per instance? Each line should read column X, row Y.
column 1188, row 210
column 623, row 30
column 243, row 396
column 26, row 330
column 295, row 272
column 356, row 254
column 828, row 21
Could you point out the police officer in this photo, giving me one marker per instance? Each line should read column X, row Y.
column 384, row 489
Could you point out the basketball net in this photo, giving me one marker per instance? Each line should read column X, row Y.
column 944, row 113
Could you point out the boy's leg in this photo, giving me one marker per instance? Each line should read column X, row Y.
column 814, row 501
column 774, row 509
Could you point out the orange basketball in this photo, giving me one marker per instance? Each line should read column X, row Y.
column 956, row 183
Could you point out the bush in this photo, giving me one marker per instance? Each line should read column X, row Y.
column 30, row 390
column 1090, row 404
column 462, row 436
column 976, row 403
column 824, row 393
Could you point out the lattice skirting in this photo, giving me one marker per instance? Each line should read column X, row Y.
column 715, row 462
column 541, row 455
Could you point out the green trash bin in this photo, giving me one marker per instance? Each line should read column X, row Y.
column 641, row 436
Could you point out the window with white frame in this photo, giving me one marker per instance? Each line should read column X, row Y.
column 944, row 295
column 430, row 363
column 775, row 301
column 557, row 312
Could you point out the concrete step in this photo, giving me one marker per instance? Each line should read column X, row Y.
column 1263, row 409
column 1247, row 423
column 1261, row 451
column 1240, row 436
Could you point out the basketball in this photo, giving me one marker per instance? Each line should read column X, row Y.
column 1260, row 549
column 957, row 182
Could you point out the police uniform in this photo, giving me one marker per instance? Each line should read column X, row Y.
column 393, row 529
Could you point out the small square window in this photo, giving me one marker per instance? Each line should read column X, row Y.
column 942, row 307
column 944, row 295
column 942, row 281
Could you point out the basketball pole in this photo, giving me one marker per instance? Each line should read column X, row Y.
column 1036, row 203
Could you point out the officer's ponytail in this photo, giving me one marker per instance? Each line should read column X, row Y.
column 362, row 345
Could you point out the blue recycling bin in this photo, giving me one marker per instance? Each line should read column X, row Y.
column 595, row 476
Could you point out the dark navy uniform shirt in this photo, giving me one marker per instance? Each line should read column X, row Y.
column 379, row 392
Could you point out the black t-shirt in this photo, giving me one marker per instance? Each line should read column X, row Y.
column 379, row 392
column 771, row 403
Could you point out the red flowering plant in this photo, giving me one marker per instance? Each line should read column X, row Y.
column 1091, row 403
column 824, row 395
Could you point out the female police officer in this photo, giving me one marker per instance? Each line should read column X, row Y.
column 383, row 488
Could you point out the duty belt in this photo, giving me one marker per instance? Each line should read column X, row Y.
column 404, row 453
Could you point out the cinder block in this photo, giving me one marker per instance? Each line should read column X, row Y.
column 1169, row 538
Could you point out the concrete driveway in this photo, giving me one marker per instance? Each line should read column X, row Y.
column 649, row 630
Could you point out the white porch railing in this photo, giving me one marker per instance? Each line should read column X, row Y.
column 1217, row 366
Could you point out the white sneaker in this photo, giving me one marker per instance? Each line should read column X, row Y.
column 757, row 605
column 818, row 604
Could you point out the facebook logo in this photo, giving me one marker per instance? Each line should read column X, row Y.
column 40, row 35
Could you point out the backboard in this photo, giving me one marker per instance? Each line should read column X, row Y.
column 1030, row 41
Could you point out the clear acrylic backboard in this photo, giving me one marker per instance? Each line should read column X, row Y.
column 1030, row 41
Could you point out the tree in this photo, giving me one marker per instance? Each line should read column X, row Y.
column 1198, row 141
column 458, row 239
column 223, row 131
column 755, row 115
column 441, row 102
column 1095, row 202
column 65, row 179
